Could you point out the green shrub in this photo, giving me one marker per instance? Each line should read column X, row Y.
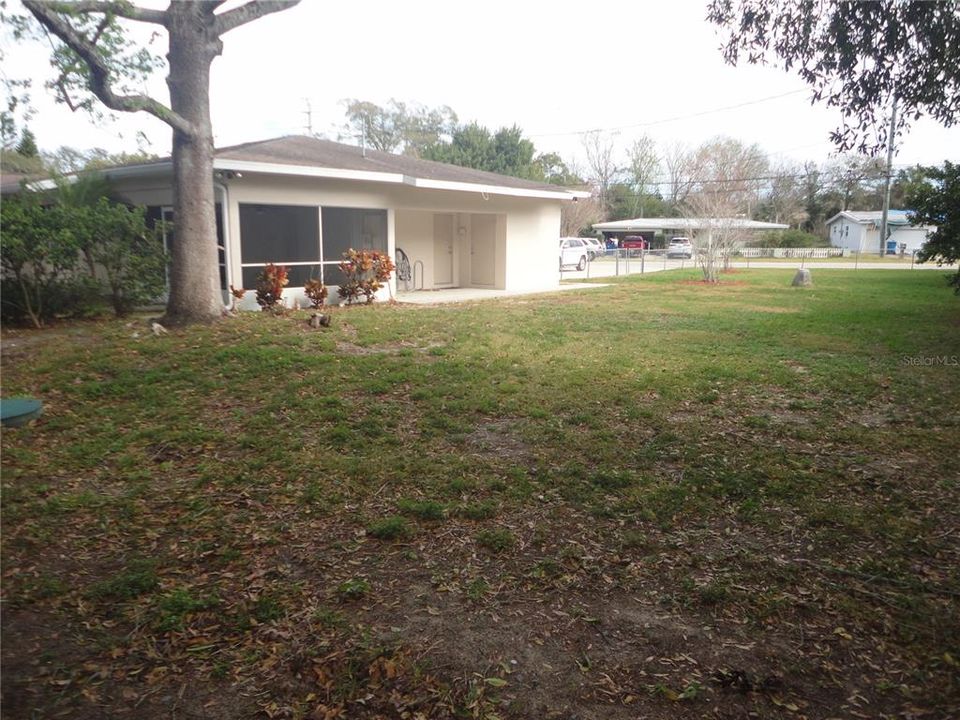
column 75, row 296
column 42, row 246
column 130, row 255
column 38, row 254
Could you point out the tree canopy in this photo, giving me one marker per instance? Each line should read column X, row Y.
column 27, row 147
column 856, row 56
column 505, row 152
column 397, row 127
column 937, row 202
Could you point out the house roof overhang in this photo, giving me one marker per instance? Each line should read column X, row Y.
column 165, row 167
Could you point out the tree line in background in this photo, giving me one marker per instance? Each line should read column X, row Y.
column 722, row 177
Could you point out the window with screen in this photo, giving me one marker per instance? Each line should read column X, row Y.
column 346, row 228
column 281, row 234
column 310, row 241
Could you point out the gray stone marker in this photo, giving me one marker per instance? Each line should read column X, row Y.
column 802, row 278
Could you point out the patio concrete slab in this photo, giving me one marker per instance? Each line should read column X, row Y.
column 457, row 295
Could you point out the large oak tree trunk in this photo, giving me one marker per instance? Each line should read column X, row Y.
column 195, row 30
column 195, row 293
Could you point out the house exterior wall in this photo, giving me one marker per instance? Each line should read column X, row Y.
column 527, row 229
column 532, row 248
column 914, row 237
column 414, row 230
column 152, row 191
column 845, row 233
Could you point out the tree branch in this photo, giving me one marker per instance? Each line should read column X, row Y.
column 100, row 71
column 248, row 13
column 120, row 9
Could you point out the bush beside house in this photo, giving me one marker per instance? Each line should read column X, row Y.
column 65, row 259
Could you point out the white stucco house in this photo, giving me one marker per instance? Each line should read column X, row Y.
column 301, row 202
column 859, row 231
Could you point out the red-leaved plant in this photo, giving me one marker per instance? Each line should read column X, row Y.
column 316, row 291
column 364, row 272
column 270, row 284
column 237, row 294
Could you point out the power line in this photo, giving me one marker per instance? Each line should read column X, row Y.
column 663, row 121
column 879, row 174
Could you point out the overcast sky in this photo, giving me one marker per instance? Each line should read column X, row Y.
column 553, row 68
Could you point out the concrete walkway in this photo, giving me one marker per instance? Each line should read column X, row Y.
column 458, row 295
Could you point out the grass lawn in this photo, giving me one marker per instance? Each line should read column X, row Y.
column 655, row 499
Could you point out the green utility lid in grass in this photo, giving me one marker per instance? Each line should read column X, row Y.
column 19, row 411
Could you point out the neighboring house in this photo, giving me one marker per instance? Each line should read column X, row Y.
column 301, row 202
column 860, row 231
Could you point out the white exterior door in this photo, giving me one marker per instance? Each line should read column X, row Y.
column 443, row 232
column 483, row 242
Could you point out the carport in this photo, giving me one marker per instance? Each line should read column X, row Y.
column 679, row 226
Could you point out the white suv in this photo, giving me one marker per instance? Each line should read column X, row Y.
column 680, row 247
column 573, row 251
column 594, row 246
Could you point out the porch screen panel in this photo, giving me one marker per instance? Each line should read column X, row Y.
column 357, row 228
column 297, row 275
column 332, row 274
column 279, row 234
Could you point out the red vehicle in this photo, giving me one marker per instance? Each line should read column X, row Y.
column 635, row 242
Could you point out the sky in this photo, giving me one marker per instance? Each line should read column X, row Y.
column 553, row 68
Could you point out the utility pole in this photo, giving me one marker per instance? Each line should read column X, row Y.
column 309, row 113
column 886, row 184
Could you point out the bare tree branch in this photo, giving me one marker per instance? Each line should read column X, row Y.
column 100, row 72
column 248, row 13
column 120, row 9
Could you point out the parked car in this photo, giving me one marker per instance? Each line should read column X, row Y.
column 573, row 251
column 635, row 242
column 594, row 247
column 680, row 247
